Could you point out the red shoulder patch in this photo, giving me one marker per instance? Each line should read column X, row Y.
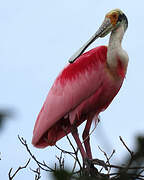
column 85, row 62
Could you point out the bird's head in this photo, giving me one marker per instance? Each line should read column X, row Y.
column 112, row 21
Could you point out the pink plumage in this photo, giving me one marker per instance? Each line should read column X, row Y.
column 82, row 90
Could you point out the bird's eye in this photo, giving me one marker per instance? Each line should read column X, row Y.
column 120, row 17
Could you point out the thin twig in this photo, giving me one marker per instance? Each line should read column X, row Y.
column 112, row 154
column 140, row 173
column 107, row 159
column 123, row 167
column 70, row 153
column 19, row 168
column 131, row 153
column 71, row 143
column 128, row 174
column 104, row 153
column 61, row 161
column 64, row 151
column 37, row 173
column 74, row 166
column 41, row 165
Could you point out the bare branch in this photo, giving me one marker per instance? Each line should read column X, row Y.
column 64, row 151
column 126, row 170
column 41, row 165
column 107, row 159
column 123, row 167
column 141, row 171
column 19, row 168
column 61, row 161
column 132, row 176
column 74, row 166
column 37, row 173
column 104, row 153
column 131, row 153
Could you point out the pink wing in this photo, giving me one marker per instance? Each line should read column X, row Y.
column 75, row 83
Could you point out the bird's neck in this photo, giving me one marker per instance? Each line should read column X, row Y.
column 116, row 55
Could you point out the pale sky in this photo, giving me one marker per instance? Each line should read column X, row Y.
column 36, row 40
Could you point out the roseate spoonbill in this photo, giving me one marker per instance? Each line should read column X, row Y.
column 84, row 88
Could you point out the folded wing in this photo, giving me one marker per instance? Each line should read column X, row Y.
column 76, row 83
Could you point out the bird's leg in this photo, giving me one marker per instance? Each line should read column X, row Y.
column 86, row 138
column 89, row 169
column 78, row 142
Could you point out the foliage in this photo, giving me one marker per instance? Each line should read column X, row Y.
column 4, row 115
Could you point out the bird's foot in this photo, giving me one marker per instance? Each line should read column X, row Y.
column 89, row 168
column 100, row 163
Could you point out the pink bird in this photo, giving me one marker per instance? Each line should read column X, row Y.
column 84, row 88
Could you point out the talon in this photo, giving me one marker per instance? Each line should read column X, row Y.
column 89, row 170
column 100, row 163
